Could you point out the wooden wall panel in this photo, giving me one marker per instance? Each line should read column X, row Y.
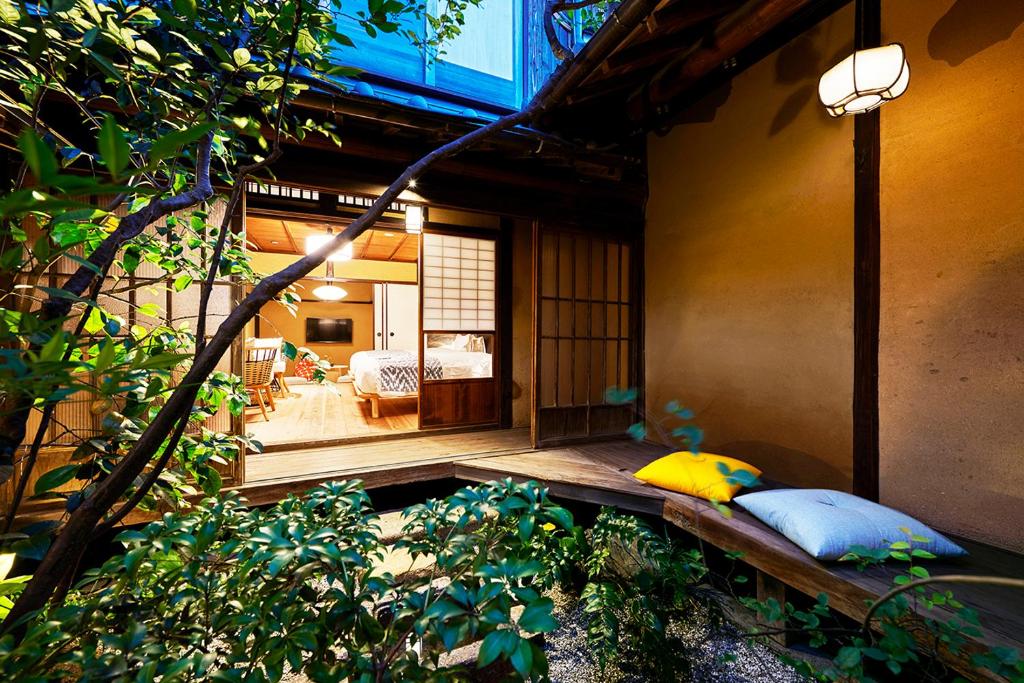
column 458, row 402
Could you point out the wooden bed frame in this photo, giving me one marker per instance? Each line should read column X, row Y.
column 375, row 399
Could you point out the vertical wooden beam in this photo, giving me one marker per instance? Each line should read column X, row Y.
column 535, row 329
column 867, row 273
column 504, row 319
column 768, row 587
column 238, row 344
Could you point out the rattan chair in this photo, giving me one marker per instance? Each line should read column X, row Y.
column 258, row 371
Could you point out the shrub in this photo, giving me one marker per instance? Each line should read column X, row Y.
column 231, row 593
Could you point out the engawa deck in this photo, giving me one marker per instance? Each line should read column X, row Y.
column 601, row 473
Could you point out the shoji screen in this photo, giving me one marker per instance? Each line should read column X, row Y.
column 458, row 283
column 460, row 317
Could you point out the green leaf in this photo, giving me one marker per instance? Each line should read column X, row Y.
column 502, row 641
column 168, row 145
column 8, row 12
column 94, row 323
column 182, row 282
column 38, row 156
column 186, row 7
column 149, row 53
column 113, row 147
column 106, row 66
column 131, row 259
column 55, row 477
column 289, row 351
column 241, row 56
column 536, row 618
column 522, row 659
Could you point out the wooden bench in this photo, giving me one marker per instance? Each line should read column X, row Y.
column 601, row 473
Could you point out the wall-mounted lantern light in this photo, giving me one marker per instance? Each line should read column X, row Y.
column 413, row 218
column 865, row 80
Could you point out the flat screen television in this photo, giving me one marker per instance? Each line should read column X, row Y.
column 329, row 330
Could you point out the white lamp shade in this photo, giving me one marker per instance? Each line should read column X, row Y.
column 865, row 80
column 315, row 242
column 413, row 218
column 329, row 293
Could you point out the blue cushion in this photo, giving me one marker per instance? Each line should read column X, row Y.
column 827, row 523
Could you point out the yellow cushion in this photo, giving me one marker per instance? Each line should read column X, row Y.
column 696, row 475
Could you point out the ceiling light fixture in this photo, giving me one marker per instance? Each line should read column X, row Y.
column 329, row 292
column 865, row 80
column 317, row 241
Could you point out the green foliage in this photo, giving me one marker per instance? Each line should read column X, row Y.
column 636, row 585
column 228, row 593
column 126, row 114
column 909, row 631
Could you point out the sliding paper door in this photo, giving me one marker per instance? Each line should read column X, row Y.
column 458, row 346
column 586, row 320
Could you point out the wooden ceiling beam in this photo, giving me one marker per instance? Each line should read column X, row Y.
column 670, row 28
column 401, row 243
column 291, row 238
column 365, row 246
column 752, row 21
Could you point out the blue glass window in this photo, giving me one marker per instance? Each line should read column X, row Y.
column 483, row 64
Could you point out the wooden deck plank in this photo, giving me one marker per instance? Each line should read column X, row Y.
column 569, row 472
column 358, row 458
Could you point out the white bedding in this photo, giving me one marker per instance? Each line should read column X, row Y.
column 364, row 367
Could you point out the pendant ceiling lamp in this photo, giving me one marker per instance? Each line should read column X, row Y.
column 865, row 80
column 329, row 292
column 315, row 242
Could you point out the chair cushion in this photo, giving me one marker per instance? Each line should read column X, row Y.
column 828, row 523
column 695, row 474
column 265, row 342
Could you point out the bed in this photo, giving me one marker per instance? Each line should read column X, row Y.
column 380, row 375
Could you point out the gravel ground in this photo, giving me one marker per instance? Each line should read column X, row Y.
column 569, row 656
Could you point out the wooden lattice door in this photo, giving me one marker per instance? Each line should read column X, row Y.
column 586, row 333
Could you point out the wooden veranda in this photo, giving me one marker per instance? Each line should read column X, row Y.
column 601, row 473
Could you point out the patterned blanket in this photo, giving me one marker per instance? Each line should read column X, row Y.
column 399, row 372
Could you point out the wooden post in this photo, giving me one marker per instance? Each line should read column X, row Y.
column 769, row 587
column 867, row 273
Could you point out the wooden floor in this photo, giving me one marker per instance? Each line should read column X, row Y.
column 419, row 457
column 325, row 412
column 601, row 473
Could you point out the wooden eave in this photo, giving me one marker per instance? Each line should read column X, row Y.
column 686, row 49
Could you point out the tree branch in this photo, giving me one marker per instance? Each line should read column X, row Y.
column 131, row 226
column 560, row 51
column 143, row 489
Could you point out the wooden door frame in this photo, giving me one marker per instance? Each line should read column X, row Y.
column 501, row 308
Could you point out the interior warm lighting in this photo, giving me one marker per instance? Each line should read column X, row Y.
column 865, row 80
column 314, row 242
column 413, row 218
column 329, row 293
